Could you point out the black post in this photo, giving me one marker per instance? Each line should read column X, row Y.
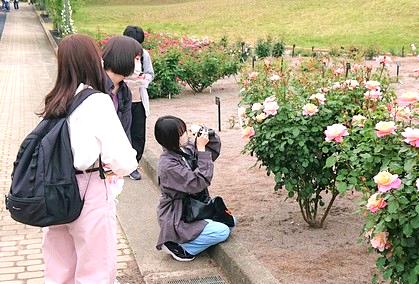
column 402, row 51
column 217, row 102
column 293, row 50
column 348, row 67
column 253, row 62
column 398, row 70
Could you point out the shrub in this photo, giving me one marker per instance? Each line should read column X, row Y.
column 371, row 52
column 166, row 81
column 278, row 48
column 263, row 48
column 202, row 69
column 321, row 133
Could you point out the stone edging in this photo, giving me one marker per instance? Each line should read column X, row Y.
column 238, row 264
column 47, row 32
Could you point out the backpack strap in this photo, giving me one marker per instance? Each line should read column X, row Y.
column 79, row 98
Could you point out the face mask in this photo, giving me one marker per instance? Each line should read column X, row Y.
column 183, row 140
column 138, row 67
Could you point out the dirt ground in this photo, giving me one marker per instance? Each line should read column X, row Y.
column 270, row 225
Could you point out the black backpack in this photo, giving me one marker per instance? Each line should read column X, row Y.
column 44, row 188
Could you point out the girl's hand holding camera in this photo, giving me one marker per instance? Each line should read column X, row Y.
column 202, row 140
column 201, row 136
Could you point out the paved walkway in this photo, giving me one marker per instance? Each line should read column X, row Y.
column 27, row 73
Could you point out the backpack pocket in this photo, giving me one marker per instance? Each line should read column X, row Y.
column 29, row 211
column 63, row 201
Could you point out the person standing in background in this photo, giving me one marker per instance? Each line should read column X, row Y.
column 16, row 4
column 138, row 83
column 119, row 62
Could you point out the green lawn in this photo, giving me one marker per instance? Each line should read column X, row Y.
column 388, row 24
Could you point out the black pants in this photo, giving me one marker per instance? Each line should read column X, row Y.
column 138, row 128
column 16, row 4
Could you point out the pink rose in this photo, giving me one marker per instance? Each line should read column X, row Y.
column 336, row 86
column 319, row 98
column 338, row 71
column 374, row 203
column 386, row 181
column 274, row 77
column 372, row 85
column 402, row 114
column 253, row 75
column 372, row 95
column 380, row 242
column 270, row 106
column 336, row 132
column 352, row 84
column 257, row 106
column 323, row 90
column 356, row 67
column 310, row 109
column 358, row 120
column 412, row 136
column 384, row 128
column 407, row 98
column 260, row 117
column 248, row 132
column 385, row 60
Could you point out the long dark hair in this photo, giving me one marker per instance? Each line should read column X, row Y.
column 79, row 61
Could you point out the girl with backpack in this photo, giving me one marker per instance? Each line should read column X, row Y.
column 179, row 178
column 84, row 251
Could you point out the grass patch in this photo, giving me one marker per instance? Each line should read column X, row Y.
column 387, row 23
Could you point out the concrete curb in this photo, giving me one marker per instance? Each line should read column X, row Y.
column 46, row 30
column 239, row 265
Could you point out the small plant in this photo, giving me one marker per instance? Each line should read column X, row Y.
column 371, row 52
column 278, row 48
column 335, row 51
column 263, row 48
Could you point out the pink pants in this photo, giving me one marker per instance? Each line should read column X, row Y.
column 84, row 251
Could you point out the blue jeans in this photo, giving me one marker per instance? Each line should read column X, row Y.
column 213, row 233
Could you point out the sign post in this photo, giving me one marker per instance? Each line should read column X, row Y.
column 217, row 102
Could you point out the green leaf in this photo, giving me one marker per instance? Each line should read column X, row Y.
column 387, row 274
column 408, row 230
column 381, row 261
column 341, row 187
column 409, row 165
column 415, row 222
column 365, row 156
column 330, row 162
column 295, row 132
column 393, row 206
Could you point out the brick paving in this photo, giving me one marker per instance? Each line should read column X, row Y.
column 27, row 73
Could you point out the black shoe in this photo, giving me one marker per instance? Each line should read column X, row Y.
column 177, row 252
column 135, row 175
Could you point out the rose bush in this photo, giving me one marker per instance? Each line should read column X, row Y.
column 324, row 133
